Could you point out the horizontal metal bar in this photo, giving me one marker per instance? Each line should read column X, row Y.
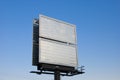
column 57, row 40
column 62, row 74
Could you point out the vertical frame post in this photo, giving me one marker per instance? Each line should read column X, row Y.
column 57, row 75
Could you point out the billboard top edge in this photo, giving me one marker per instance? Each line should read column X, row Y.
column 57, row 20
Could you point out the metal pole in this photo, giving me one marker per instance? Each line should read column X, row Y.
column 57, row 75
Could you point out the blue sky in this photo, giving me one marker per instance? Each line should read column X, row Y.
column 98, row 33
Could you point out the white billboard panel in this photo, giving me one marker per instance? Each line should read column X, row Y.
column 56, row 29
column 57, row 42
column 57, row 53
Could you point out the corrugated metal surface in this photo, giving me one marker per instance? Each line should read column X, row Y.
column 56, row 29
column 57, row 53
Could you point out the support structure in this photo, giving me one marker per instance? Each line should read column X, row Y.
column 57, row 75
column 58, row 71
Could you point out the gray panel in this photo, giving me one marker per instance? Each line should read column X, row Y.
column 35, row 43
column 56, row 29
column 57, row 53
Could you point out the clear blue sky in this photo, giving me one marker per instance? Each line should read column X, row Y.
column 98, row 30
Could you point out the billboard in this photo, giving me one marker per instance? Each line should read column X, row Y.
column 57, row 42
column 54, row 42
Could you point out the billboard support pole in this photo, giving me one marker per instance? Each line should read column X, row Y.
column 57, row 75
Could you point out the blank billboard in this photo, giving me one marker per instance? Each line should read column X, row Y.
column 57, row 42
column 54, row 42
column 56, row 29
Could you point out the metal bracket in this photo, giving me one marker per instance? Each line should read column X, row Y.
column 79, row 70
